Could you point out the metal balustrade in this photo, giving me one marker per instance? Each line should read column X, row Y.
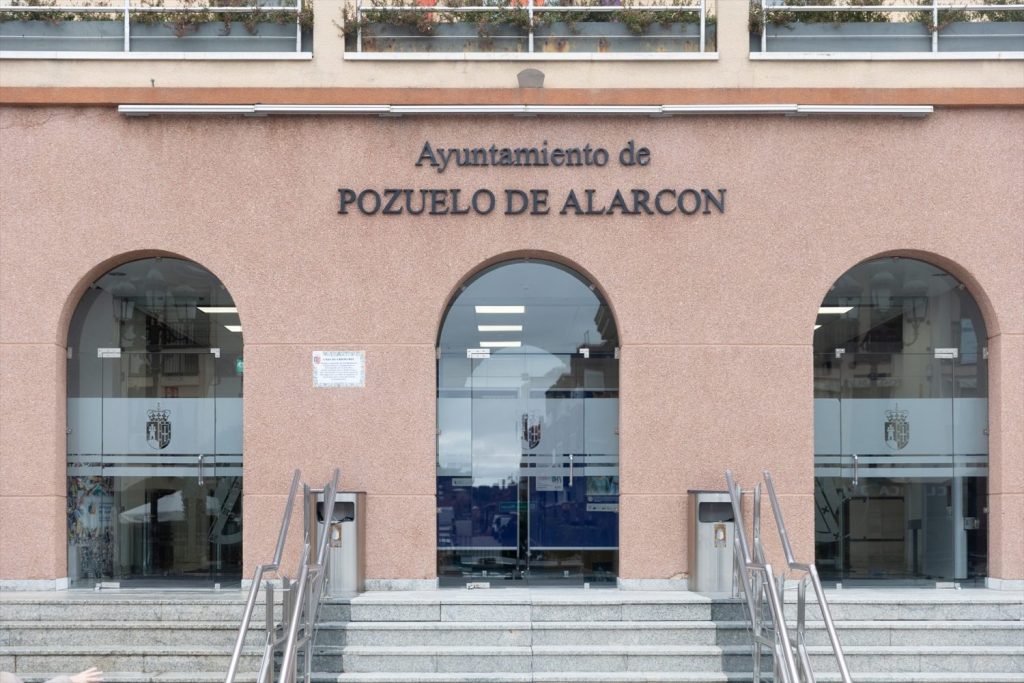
column 763, row 593
column 537, row 14
column 300, row 600
column 939, row 13
column 74, row 29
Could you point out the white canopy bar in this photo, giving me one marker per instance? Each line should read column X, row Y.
column 524, row 109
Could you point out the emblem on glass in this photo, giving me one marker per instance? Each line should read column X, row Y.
column 897, row 428
column 531, row 430
column 158, row 428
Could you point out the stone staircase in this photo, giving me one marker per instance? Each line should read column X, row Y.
column 515, row 635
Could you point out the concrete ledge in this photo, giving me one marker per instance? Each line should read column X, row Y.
column 1004, row 584
column 400, row 584
column 21, row 585
column 654, row 584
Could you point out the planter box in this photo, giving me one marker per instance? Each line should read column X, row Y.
column 211, row 37
column 982, row 36
column 108, row 36
column 613, row 36
column 850, row 37
column 462, row 37
column 83, row 36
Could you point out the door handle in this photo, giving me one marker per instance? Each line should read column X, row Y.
column 200, row 467
column 856, row 469
column 570, row 469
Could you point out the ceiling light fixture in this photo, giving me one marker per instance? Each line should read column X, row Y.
column 500, row 344
column 500, row 309
column 499, row 328
column 217, row 309
column 233, row 328
column 834, row 310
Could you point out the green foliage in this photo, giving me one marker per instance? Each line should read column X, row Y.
column 1002, row 15
column 638, row 18
column 181, row 21
column 948, row 13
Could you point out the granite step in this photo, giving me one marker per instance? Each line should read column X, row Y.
column 124, row 633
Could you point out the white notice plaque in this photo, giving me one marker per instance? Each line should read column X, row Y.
column 339, row 369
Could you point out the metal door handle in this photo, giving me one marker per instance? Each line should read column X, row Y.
column 856, row 469
column 570, row 469
column 200, row 464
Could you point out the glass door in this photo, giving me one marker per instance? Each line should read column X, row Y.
column 527, row 469
column 889, row 501
column 167, row 491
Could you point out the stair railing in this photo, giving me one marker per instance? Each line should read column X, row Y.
column 301, row 631
column 810, row 576
column 755, row 579
column 300, row 600
column 254, row 590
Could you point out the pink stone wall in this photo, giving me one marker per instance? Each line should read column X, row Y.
column 714, row 312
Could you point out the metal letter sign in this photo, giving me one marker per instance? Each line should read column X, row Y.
column 897, row 428
column 158, row 428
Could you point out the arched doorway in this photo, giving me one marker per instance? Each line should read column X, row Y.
column 900, row 426
column 154, row 438
column 527, row 430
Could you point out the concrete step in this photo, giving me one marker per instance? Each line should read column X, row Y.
column 654, row 677
column 549, row 677
column 521, row 634
column 134, row 633
column 971, row 659
column 147, row 659
column 851, row 633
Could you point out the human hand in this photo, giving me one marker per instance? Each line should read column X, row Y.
column 90, row 675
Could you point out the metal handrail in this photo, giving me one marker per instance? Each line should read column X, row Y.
column 768, row 6
column 310, row 585
column 757, row 581
column 810, row 575
column 126, row 11
column 532, row 9
column 257, row 578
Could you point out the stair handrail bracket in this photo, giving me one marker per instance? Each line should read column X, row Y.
column 300, row 599
column 809, row 576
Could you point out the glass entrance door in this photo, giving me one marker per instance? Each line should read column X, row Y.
column 527, row 430
column 527, row 469
column 900, row 469
column 155, row 474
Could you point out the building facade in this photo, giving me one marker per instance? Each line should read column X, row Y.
column 525, row 319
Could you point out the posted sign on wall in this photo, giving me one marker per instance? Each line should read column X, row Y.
column 339, row 369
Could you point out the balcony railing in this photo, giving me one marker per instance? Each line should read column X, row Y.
column 187, row 30
column 531, row 28
column 930, row 29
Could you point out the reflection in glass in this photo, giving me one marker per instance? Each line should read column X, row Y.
column 154, row 429
column 527, row 445
column 901, row 418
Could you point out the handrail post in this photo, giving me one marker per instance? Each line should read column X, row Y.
column 703, row 24
column 935, row 25
column 764, row 26
column 127, row 26
column 529, row 10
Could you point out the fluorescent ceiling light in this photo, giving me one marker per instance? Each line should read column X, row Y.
column 500, row 309
column 218, row 309
column 834, row 310
column 499, row 328
column 500, row 344
column 817, row 326
column 233, row 328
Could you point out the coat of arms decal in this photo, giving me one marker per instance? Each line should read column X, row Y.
column 531, row 430
column 897, row 428
column 158, row 428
